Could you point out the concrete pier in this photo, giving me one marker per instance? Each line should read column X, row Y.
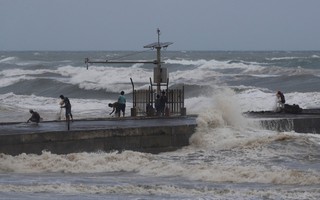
column 299, row 125
column 308, row 121
column 151, row 135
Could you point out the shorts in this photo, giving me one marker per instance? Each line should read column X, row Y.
column 122, row 107
column 68, row 112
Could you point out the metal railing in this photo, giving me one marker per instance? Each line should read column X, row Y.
column 143, row 100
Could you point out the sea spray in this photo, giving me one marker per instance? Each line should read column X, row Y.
column 222, row 114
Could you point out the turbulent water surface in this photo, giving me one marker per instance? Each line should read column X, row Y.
column 229, row 156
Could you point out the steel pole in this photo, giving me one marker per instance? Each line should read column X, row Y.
column 159, row 69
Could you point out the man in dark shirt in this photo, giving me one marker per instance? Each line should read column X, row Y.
column 280, row 101
column 35, row 117
column 65, row 103
column 163, row 101
column 116, row 107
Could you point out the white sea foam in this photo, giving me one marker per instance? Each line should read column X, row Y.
column 17, row 61
column 154, row 191
column 13, row 76
column 285, row 58
column 215, row 64
column 220, row 129
column 186, row 62
column 194, row 77
column 224, row 139
column 221, row 169
column 7, row 81
column 23, row 72
column 75, row 163
column 112, row 79
column 222, row 111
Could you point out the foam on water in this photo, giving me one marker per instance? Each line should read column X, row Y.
column 7, row 59
column 17, row 61
column 223, row 167
column 230, row 156
column 115, row 78
column 228, row 147
column 24, row 72
column 112, row 79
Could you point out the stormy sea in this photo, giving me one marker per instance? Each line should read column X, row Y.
column 229, row 157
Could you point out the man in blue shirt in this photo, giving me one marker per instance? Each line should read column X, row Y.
column 122, row 103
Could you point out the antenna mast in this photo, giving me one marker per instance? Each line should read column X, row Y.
column 160, row 74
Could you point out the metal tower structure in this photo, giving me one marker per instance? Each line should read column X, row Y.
column 160, row 74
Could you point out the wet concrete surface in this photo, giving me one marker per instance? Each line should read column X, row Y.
column 153, row 135
column 94, row 124
column 307, row 121
column 305, row 114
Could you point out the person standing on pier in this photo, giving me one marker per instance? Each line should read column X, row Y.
column 158, row 105
column 65, row 103
column 163, row 101
column 280, row 101
column 122, row 103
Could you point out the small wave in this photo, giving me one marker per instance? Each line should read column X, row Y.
column 19, row 72
column 186, row 62
column 7, row 60
column 284, row 58
column 104, row 77
column 222, row 169
column 215, row 64
column 128, row 161
column 5, row 82
column 14, row 76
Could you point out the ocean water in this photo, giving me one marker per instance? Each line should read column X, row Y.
column 229, row 156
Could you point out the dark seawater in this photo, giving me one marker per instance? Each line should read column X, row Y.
column 230, row 156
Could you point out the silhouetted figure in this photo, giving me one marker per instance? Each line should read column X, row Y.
column 163, row 101
column 35, row 117
column 65, row 103
column 280, row 101
column 122, row 103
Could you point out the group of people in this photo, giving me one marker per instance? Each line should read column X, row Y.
column 120, row 106
column 160, row 104
column 65, row 103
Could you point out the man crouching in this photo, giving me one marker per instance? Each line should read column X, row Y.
column 35, row 117
column 116, row 107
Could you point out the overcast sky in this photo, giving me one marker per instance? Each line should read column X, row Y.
column 131, row 24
